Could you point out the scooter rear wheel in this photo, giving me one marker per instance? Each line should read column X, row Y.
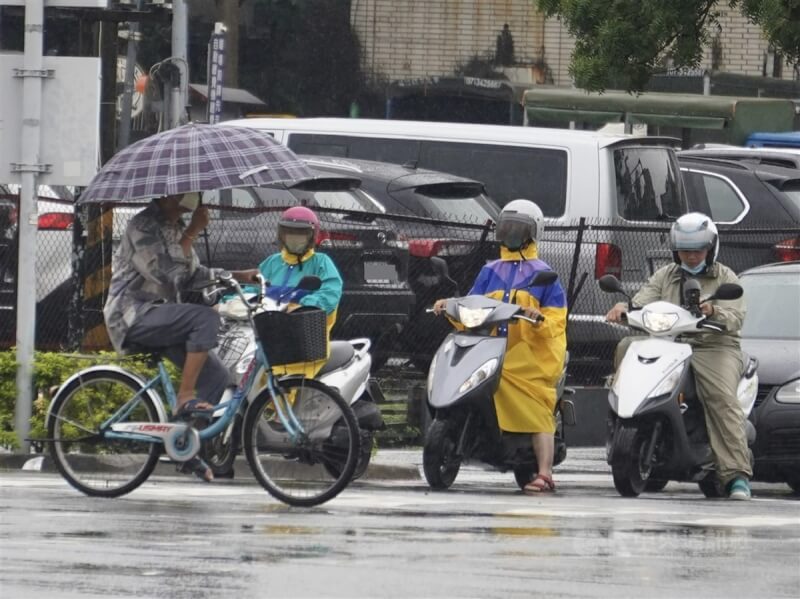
column 710, row 487
column 524, row 474
column 439, row 460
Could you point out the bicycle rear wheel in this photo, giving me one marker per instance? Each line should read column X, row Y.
column 90, row 462
column 314, row 466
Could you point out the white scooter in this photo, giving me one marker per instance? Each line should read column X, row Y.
column 347, row 370
column 657, row 429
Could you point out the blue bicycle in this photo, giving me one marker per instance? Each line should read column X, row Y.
column 107, row 427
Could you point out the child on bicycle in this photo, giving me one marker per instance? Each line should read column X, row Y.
column 298, row 229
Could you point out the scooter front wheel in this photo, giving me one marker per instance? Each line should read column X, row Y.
column 440, row 461
column 628, row 469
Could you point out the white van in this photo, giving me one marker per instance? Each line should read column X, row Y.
column 582, row 180
column 567, row 173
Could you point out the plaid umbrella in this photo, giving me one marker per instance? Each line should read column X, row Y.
column 194, row 158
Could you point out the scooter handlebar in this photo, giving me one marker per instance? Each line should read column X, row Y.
column 536, row 320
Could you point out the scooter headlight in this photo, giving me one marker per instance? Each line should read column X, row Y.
column 473, row 317
column 667, row 384
column 789, row 393
column 481, row 374
column 658, row 322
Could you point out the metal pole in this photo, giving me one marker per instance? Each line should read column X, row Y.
column 29, row 168
column 127, row 95
column 180, row 26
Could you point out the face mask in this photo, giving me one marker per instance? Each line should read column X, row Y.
column 694, row 271
column 514, row 243
column 190, row 201
column 295, row 244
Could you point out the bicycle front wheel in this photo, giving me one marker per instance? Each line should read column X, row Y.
column 85, row 457
column 313, row 464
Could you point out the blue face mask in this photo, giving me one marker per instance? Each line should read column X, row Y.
column 694, row 271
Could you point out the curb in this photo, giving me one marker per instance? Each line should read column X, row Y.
column 43, row 463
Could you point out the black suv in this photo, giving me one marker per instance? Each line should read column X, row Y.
column 742, row 196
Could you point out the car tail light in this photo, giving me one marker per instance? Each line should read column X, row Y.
column 55, row 221
column 426, row 248
column 787, row 250
column 608, row 260
column 334, row 239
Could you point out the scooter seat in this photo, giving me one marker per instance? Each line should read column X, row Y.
column 341, row 353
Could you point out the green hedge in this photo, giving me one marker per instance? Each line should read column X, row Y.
column 50, row 370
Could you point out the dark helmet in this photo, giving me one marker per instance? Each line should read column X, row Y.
column 298, row 219
column 694, row 231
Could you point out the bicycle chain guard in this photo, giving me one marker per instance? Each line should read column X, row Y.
column 182, row 443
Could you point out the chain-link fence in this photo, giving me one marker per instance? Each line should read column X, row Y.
column 391, row 267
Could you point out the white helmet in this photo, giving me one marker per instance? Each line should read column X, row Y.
column 520, row 222
column 694, row 231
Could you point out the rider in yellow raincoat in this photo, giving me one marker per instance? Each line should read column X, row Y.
column 526, row 396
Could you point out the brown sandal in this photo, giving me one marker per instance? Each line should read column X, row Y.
column 541, row 484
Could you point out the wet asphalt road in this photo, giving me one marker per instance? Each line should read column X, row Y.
column 175, row 537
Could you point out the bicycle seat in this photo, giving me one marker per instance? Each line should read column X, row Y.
column 341, row 353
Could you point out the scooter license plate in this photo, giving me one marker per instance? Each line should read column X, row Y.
column 380, row 272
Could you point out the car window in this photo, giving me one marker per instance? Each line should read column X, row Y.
column 469, row 209
column 772, row 301
column 341, row 200
column 648, row 184
column 722, row 201
column 791, row 190
column 397, row 151
column 538, row 174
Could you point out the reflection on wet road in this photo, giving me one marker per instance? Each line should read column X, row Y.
column 178, row 538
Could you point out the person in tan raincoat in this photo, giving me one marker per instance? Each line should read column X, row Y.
column 716, row 357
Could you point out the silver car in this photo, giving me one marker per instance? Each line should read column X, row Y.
column 771, row 333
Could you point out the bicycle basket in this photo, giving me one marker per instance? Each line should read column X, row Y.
column 299, row 336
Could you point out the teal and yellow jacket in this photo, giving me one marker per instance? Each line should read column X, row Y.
column 284, row 271
column 526, row 396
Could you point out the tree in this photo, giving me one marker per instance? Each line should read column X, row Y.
column 625, row 41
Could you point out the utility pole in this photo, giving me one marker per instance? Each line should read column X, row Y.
column 180, row 93
column 29, row 169
column 127, row 96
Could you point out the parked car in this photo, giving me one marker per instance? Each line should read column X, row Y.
column 783, row 157
column 742, row 196
column 441, row 216
column 771, row 333
column 53, row 264
column 371, row 257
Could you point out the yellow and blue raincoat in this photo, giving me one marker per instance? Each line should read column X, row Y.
column 526, row 396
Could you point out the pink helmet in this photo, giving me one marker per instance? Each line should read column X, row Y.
column 295, row 220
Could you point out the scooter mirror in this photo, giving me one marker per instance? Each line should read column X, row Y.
column 309, row 283
column 610, row 284
column 544, row 278
column 728, row 291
